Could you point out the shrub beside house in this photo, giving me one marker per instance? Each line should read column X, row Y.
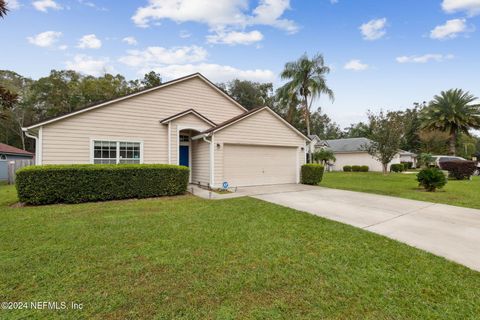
column 39, row 185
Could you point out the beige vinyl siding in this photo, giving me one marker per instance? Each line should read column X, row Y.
column 360, row 159
column 260, row 129
column 68, row 141
column 186, row 122
column 200, row 162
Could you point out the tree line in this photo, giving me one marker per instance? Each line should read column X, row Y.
column 24, row 101
column 443, row 125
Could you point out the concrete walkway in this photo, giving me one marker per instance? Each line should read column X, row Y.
column 448, row 231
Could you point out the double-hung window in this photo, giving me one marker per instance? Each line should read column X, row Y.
column 114, row 152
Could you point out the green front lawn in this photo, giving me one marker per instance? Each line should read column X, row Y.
column 458, row 193
column 188, row 258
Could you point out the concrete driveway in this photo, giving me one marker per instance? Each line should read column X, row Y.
column 448, row 231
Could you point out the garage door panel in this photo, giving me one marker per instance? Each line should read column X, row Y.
column 246, row 165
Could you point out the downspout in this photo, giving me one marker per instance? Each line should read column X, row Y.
column 210, row 160
column 169, row 143
column 37, row 155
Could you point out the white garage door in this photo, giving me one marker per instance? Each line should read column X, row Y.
column 247, row 165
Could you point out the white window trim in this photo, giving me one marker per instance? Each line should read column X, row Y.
column 3, row 157
column 117, row 140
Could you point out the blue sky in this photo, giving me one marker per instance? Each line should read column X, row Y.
column 383, row 54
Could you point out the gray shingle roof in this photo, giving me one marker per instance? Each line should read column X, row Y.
column 348, row 145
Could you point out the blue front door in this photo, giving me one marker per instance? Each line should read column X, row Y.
column 184, row 150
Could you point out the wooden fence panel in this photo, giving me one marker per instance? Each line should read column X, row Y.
column 14, row 165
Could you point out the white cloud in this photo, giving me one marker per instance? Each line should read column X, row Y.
column 450, row 29
column 471, row 7
column 424, row 58
column 88, row 65
column 235, row 37
column 269, row 12
column 219, row 14
column 333, row 1
column 184, row 34
column 92, row 5
column 355, row 65
column 214, row 72
column 13, row 4
column 89, row 41
column 374, row 29
column 157, row 56
column 44, row 5
column 45, row 39
column 130, row 40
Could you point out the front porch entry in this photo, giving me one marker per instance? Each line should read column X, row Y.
column 184, row 148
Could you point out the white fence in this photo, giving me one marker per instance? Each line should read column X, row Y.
column 14, row 165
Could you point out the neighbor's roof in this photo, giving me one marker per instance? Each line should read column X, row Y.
column 5, row 148
column 407, row 153
column 348, row 145
column 163, row 85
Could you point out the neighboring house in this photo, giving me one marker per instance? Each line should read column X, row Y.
column 349, row 152
column 408, row 157
column 187, row 121
column 9, row 153
column 314, row 142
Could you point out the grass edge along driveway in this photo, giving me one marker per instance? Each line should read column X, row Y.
column 463, row 193
column 189, row 258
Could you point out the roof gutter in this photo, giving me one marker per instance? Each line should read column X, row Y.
column 202, row 136
column 211, row 159
column 37, row 144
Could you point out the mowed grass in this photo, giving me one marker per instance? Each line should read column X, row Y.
column 189, row 258
column 464, row 193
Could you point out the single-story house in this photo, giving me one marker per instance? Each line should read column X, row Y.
column 408, row 157
column 187, row 121
column 350, row 152
column 9, row 153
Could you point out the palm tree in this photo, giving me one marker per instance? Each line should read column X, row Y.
column 324, row 156
column 453, row 112
column 3, row 8
column 288, row 102
column 307, row 81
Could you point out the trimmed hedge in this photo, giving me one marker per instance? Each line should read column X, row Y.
column 356, row 168
column 459, row 169
column 364, row 168
column 431, row 179
column 408, row 165
column 37, row 185
column 397, row 167
column 312, row 173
